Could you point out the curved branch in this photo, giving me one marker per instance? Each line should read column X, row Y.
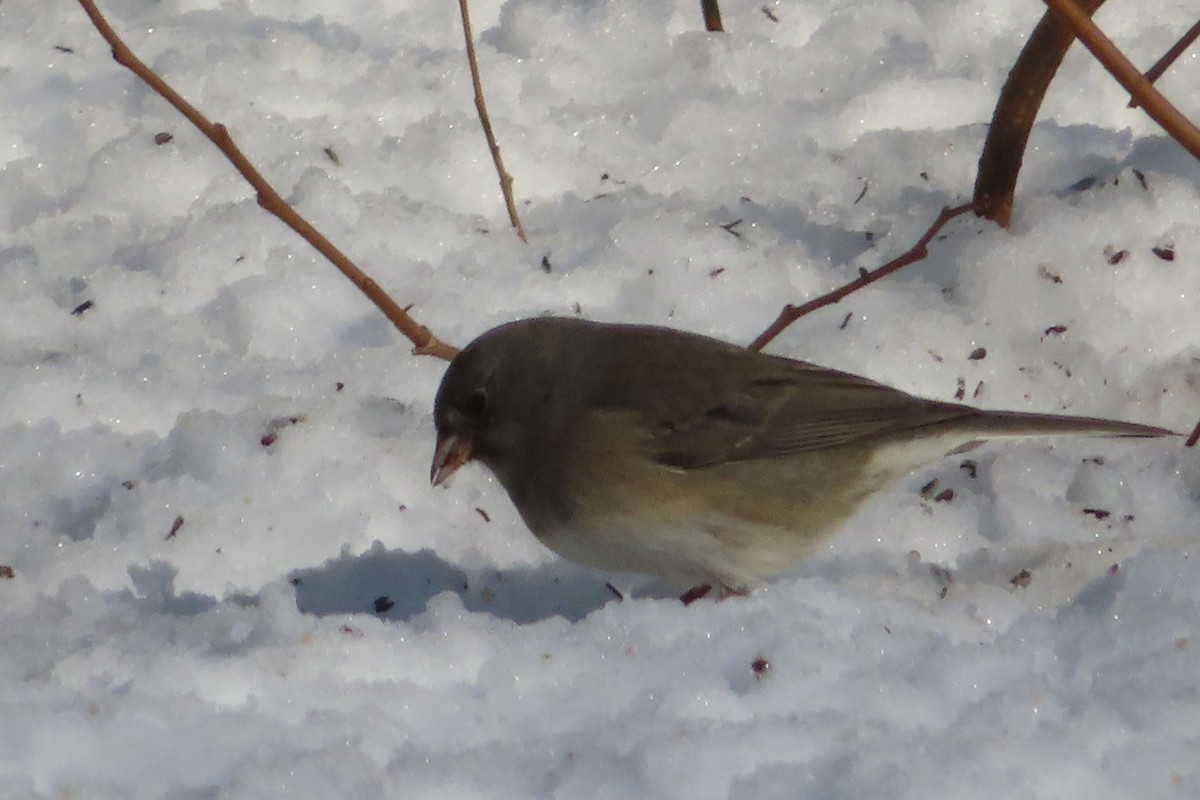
column 1016, row 111
column 425, row 343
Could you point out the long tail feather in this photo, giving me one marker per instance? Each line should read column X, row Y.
column 1014, row 423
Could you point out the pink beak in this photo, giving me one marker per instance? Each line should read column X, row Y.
column 452, row 452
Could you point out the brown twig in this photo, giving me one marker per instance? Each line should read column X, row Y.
column 1169, row 58
column 712, row 16
column 506, row 180
column 1193, row 437
column 1160, row 110
column 791, row 313
column 1016, row 111
column 425, row 343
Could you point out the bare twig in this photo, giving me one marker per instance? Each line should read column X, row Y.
column 791, row 313
column 1169, row 58
column 425, row 343
column 712, row 16
column 1016, row 111
column 1160, row 110
column 505, row 179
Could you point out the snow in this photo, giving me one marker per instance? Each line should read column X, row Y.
column 230, row 578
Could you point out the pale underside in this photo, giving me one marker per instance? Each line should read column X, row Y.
column 727, row 525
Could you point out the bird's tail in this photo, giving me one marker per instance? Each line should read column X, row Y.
column 1015, row 423
column 1003, row 424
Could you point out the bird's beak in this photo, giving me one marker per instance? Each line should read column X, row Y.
column 452, row 452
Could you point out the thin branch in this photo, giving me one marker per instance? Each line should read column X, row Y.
column 1169, row 58
column 505, row 179
column 919, row 251
column 425, row 343
column 1160, row 110
column 1016, row 111
column 712, row 16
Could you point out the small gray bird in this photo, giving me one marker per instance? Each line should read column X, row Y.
column 644, row 449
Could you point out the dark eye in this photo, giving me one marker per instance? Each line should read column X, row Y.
column 476, row 404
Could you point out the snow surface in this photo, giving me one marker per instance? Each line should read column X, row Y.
column 192, row 613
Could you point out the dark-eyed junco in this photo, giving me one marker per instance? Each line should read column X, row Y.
column 645, row 449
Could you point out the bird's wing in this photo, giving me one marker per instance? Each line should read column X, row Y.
column 772, row 407
column 823, row 408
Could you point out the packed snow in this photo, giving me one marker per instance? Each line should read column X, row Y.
column 223, row 572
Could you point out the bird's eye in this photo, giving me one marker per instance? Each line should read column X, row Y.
column 476, row 404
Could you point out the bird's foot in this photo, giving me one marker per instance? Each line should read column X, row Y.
column 702, row 590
